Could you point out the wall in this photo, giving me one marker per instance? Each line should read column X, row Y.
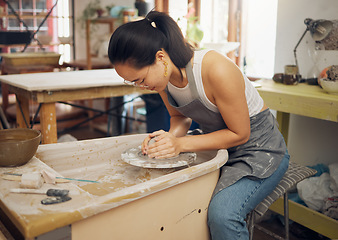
column 311, row 141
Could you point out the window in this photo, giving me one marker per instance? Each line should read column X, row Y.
column 29, row 12
column 64, row 30
column 32, row 14
column 177, row 10
column 260, row 34
column 214, row 20
column 252, row 33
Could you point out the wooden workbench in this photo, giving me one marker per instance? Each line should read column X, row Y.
column 310, row 101
column 48, row 88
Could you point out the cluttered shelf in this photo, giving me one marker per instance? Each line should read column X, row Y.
column 302, row 99
column 310, row 101
column 91, row 62
column 33, row 45
column 41, row 15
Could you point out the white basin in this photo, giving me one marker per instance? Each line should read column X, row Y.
column 151, row 197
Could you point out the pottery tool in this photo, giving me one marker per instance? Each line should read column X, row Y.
column 49, row 192
column 49, row 177
column 134, row 156
column 58, row 178
column 18, row 178
column 55, row 195
column 54, row 200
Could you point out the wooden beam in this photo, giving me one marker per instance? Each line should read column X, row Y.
column 162, row 5
column 234, row 25
column 197, row 6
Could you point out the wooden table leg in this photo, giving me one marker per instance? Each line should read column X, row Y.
column 48, row 123
column 90, row 104
column 4, row 90
column 283, row 119
column 22, row 112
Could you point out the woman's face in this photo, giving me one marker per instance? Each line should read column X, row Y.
column 149, row 77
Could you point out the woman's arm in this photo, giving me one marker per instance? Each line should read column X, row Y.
column 224, row 86
column 179, row 124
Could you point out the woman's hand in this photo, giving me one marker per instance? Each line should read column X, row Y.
column 166, row 145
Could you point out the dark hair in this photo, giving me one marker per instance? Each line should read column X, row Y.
column 138, row 42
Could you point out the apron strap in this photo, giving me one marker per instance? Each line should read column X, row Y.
column 191, row 81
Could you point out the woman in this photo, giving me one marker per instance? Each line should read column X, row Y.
column 208, row 88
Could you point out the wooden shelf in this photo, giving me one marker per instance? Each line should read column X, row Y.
column 11, row 16
column 108, row 20
column 33, row 45
column 309, row 218
column 104, row 20
column 82, row 64
column 310, row 101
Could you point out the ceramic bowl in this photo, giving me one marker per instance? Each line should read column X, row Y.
column 65, row 40
column 18, row 146
column 45, row 39
column 329, row 85
column 278, row 77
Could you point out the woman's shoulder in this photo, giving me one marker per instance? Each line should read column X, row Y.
column 214, row 56
column 214, row 62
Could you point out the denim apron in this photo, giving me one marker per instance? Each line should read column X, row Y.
column 259, row 157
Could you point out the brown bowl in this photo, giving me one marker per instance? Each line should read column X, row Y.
column 18, row 146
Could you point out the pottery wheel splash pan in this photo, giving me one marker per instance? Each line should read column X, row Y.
column 134, row 156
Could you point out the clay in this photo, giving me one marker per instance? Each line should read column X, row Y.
column 152, row 141
column 134, row 156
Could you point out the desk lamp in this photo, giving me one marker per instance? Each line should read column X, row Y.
column 319, row 30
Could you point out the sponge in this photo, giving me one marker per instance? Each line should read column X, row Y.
column 31, row 180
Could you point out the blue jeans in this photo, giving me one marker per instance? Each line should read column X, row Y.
column 229, row 208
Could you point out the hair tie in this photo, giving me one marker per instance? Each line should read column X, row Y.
column 152, row 23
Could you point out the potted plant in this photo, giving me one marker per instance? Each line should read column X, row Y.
column 194, row 33
column 91, row 11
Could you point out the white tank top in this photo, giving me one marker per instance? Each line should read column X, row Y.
column 183, row 95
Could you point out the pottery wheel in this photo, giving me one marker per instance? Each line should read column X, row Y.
column 134, row 156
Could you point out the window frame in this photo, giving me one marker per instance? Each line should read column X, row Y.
column 50, row 26
column 234, row 23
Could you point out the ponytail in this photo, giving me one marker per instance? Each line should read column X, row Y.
column 138, row 42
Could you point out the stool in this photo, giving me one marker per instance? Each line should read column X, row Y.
column 293, row 175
